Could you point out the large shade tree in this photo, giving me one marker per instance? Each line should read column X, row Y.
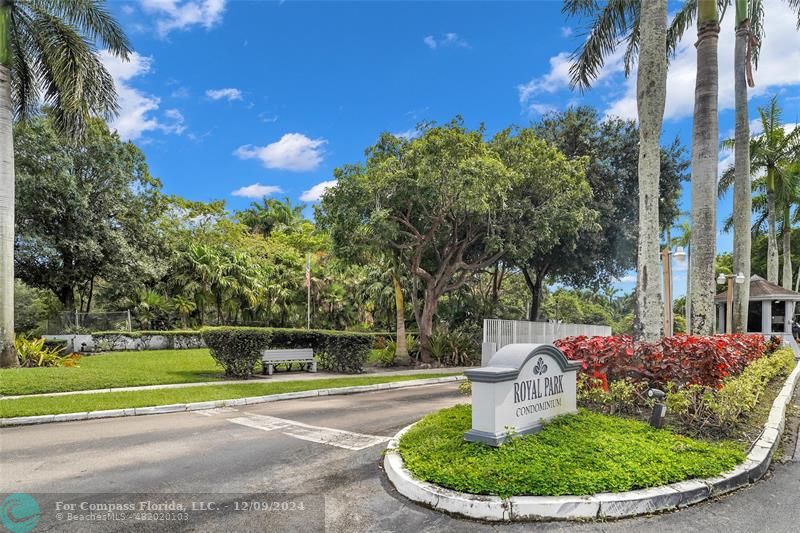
column 434, row 201
column 611, row 145
column 47, row 56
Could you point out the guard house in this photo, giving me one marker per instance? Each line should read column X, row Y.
column 770, row 310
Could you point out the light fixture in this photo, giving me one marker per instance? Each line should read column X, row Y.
column 680, row 253
column 739, row 278
column 721, row 279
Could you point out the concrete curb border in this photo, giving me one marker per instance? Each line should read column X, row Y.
column 198, row 406
column 605, row 505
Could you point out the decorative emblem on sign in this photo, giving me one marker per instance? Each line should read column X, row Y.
column 540, row 368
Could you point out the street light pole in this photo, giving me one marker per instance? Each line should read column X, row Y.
column 666, row 259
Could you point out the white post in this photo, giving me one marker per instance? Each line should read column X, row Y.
column 766, row 316
column 130, row 326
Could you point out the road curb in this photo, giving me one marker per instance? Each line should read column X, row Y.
column 213, row 404
column 606, row 505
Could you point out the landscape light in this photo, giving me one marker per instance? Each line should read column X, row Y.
column 680, row 253
column 739, row 278
column 721, row 279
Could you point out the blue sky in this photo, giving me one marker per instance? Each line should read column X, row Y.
column 233, row 99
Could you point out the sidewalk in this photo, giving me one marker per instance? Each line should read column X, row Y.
column 278, row 376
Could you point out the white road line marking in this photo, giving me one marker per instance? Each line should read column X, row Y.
column 216, row 411
column 333, row 437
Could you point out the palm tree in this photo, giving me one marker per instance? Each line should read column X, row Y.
column 770, row 152
column 644, row 26
column 705, row 156
column 742, row 195
column 46, row 57
column 787, row 196
column 272, row 215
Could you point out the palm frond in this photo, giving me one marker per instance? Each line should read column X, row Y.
column 756, row 16
column 725, row 181
column 681, row 22
column 74, row 81
column 90, row 18
column 608, row 27
column 24, row 89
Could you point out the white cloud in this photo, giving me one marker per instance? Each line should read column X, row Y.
column 566, row 31
column 317, row 191
column 268, row 118
column 408, row 135
column 447, row 39
column 294, row 151
column 229, row 94
column 137, row 109
column 182, row 15
column 558, row 78
column 780, row 55
column 256, row 190
column 631, row 278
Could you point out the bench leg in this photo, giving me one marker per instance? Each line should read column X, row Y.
column 313, row 367
column 269, row 369
column 263, row 369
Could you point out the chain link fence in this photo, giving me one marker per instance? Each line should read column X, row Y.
column 82, row 323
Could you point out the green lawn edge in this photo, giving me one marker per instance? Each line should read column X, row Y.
column 582, row 454
column 81, row 403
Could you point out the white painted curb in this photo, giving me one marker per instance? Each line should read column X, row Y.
column 605, row 505
column 197, row 406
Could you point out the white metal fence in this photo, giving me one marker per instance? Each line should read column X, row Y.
column 502, row 332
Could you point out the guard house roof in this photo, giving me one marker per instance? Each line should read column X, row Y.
column 761, row 289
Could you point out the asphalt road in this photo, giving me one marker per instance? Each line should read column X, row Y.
column 302, row 465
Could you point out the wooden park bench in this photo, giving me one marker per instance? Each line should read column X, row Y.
column 304, row 356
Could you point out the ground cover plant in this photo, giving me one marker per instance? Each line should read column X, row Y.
column 579, row 454
column 81, row 403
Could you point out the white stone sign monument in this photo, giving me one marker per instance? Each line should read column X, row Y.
column 524, row 385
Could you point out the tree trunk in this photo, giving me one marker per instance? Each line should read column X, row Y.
column 651, row 90
column 705, row 153
column 742, row 186
column 786, row 282
column 535, row 289
column 772, row 236
column 401, row 356
column 8, row 354
column 430, row 302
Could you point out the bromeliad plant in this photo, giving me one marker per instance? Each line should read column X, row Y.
column 34, row 353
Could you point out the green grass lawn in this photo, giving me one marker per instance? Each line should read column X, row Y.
column 580, row 454
column 80, row 403
column 119, row 369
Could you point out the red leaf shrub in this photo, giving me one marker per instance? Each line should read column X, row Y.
column 681, row 359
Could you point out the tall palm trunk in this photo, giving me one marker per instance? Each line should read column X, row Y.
column 786, row 279
column 8, row 355
column 401, row 349
column 742, row 186
column 705, row 152
column 772, row 234
column 651, row 90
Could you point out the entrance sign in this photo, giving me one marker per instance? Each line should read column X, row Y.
column 523, row 386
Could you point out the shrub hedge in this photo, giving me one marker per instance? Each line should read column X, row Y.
column 680, row 360
column 238, row 349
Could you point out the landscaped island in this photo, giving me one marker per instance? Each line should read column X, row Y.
column 719, row 391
